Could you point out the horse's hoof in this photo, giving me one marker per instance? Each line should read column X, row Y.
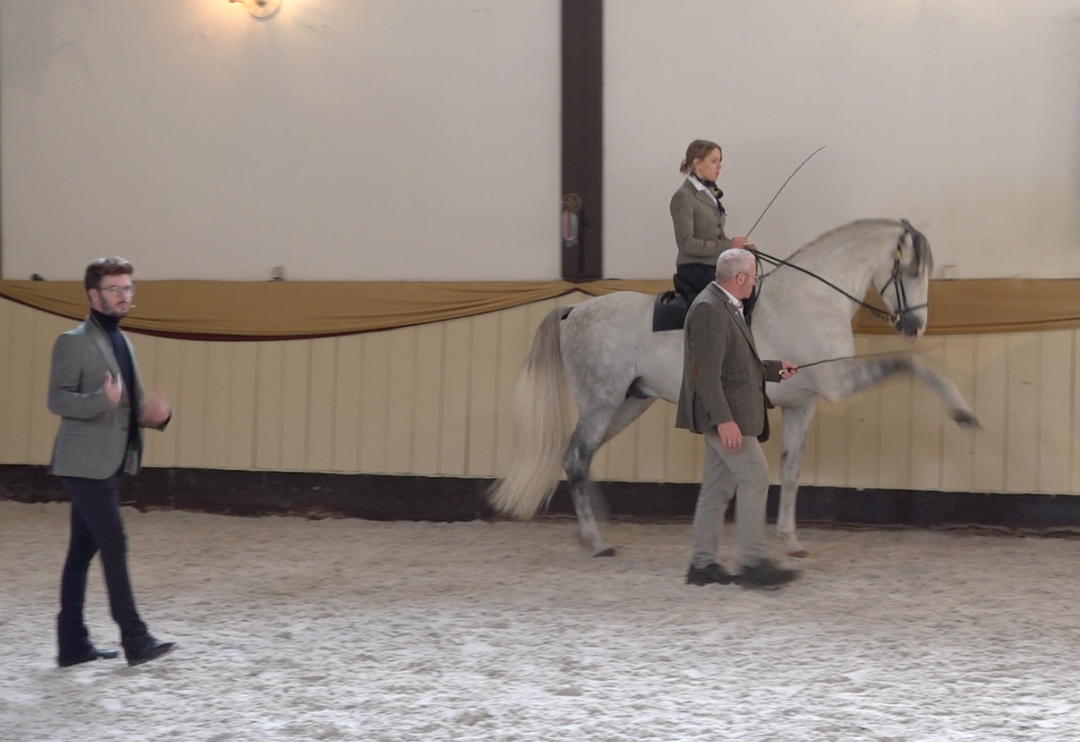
column 609, row 551
column 799, row 554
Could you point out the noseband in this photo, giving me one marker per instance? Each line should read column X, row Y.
column 902, row 306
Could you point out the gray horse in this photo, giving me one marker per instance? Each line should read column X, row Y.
column 604, row 349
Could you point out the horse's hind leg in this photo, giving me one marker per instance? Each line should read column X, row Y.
column 793, row 444
column 593, row 429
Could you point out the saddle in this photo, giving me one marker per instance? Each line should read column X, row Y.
column 670, row 307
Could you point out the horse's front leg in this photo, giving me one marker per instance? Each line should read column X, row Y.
column 577, row 461
column 793, row 443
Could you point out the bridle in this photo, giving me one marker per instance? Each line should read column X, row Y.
column 903, row 308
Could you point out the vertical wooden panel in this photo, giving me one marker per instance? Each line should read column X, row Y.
column 348, row 403
column 1056, row 410
column 1022, row 424
column 484, row 395
column 269, row 405
column 7, row 391
column 191, row 446
column 652, row 443
column 43, row 424
column 684, row 456
column 991, row 406
column 454, row 418
column 402, row 399
column 243, row 401
column 295, row 396
column 926, row 417
column 516, row 330
column 1074, row 428
column 865, row 427
column 833, row 443
column 146, row 356
column 375, row 402
column 16, row 423
column 958, row 444
column 162, row 369
column 428, row 406
column 219, row 372
column 321, row 404
column 167, row 369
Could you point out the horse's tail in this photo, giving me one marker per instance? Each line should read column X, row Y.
column 540, row 413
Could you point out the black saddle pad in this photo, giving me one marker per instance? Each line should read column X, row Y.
column 669, row 312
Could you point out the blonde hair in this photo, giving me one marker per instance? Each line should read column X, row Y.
column 699, row 149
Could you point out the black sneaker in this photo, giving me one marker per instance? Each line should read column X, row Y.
column 766, row 576
column 708, row 575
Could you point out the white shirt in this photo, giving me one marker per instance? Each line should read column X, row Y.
column 736, row 302
column 701, row 187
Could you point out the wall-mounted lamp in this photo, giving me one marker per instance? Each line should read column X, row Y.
column 260, row 8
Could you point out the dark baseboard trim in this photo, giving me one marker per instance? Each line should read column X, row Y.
column 378, row 497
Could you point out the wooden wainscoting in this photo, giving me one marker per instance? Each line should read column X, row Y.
column 433, row 400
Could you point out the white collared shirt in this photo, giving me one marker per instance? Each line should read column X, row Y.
column 701, row 187
column 735, row 302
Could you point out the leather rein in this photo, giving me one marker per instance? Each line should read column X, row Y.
column 893, row 318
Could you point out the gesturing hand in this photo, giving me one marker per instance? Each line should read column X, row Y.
column 113, row 388
column 154, row 410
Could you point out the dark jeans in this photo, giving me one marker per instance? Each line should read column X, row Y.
column 96, row 526
column 692, row 278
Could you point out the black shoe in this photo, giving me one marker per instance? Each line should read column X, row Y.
column 149, row 651
column 708, row 575
column 92, row 653
column 766, row 576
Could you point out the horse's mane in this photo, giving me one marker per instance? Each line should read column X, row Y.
column 921, row 245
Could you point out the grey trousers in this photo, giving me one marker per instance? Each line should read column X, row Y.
column 745, row 472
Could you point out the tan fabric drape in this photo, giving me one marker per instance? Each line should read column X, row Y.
column 235, row 310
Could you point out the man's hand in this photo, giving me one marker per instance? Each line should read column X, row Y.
column 730, row 435
column 741, row 242
column 787, row 370
column 113, row 388
column 154, row 411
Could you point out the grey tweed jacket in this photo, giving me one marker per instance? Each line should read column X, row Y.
column 92, row 440
column 723, row 377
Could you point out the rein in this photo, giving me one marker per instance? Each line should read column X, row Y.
column 893, row 318
column 901, row 295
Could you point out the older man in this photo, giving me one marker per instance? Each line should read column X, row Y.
column 723, row 397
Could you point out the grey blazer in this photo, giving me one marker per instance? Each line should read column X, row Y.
column 723, row 377
column 699, row 226
column 92, row 441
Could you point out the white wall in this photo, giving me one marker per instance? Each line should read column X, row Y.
column 419, row 139
column 343, row 139
column 960, row 115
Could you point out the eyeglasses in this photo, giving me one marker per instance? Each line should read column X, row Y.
column 114, row 290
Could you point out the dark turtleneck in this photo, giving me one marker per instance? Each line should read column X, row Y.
column 111, row 326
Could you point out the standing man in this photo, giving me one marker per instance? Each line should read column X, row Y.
column 94, row 386
column 723, row 397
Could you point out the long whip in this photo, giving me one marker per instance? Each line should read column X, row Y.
column 785, row 183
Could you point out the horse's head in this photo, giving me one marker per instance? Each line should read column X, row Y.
column 904, row 282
